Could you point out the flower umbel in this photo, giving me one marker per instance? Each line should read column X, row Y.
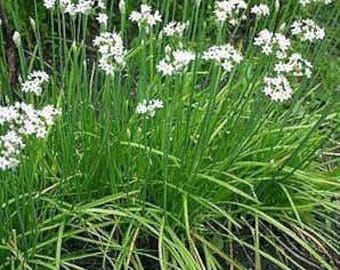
column 149, row 107
column 260, row 10
column 230, row 10
column 296, row 66
column 111, row 50
column 175, row 61
column 22, row 120
column 225, row 55
column 278, row 88
column 34, row 82
column 145, row 17
column 272, row 43
column 174, row 29
column 308, row 30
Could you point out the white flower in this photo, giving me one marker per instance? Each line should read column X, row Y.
column 102, row 18
column 8, row 114
column 49, row 4
column 272, row 43
column 81, row 7
column 34, row 82
column 260, row 10
column 175, row 61
column 165, row 68
column 182, row 58
column 150, row 107
column 278, row 88
column 296, row 66
column 67, row 7
column 145, row 17
column 36, row 122
column 11, row 145
column 112, row 52
column 48, row 113
column 307, row 29
column 21, row 120
column 174, row 28
column 101, row 4
column 307, row 2
column 230, row 10
column 84, row 6
column 226, row 55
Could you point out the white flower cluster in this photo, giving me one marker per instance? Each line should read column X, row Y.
column 34, row 82
column 145, row 17
column 111, row 50
column 33, row 121
column 272, row 43
column 226, row 55
column 307, row 2
column 20, row 120
column 230, row 10
column 308, row 30
column 149, row 107
column 11, row 145
column 296, row 65
column 278, row 88
column 175, row 61
column 101, row 4
column 174, row 29
column 82, row 7
column 260, row 10
column 49, row 4
column 71, row 8
column 102, row 19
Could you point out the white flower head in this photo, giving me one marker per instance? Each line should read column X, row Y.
column 295, row 65
column 272, row 43
column 308, row 30
column 149, row 107
column 102, row 18
column 278, row 88
column 175, row 61
column 174, row 29
column 71, row 8
column 260, row 10
column 230, row 10
column 101, row 4
column 34, row 82
column 20, row 121
column 84, row 7
column 111, row 50
column 307, row 2
column 226, row 55
column 145, row 17
column 49, row 4
column 11, row 144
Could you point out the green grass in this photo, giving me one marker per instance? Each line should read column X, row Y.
column 221, row 178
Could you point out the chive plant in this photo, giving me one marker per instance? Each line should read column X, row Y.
column 171, row 135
